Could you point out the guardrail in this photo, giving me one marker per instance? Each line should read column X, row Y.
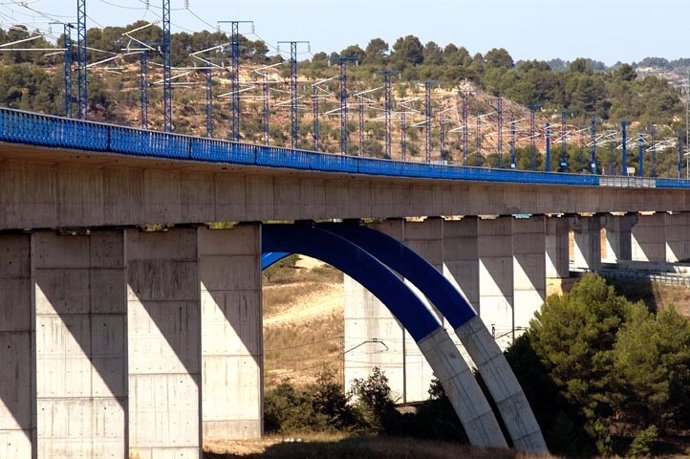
column 51, row 131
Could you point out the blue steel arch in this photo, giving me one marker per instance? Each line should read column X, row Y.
column 337, row 251
column 432, row 283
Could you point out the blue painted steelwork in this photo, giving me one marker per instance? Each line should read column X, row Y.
column 640, row 144
column 82, row 82
column 512, row 142
column 427, row 120
column 532, row 149
column 653, row 150
column 403, row 133
column 593, row 148
column 547, row 159
column 294, row 121
column 452, row 304
column 499, row 147
column 357, row 263
column 564, row 143
column 624, row 152
column 360, row 112
column 235, row 82
column 344, row 134
column 67, row 69
column 57, row 132
column 144, row 88
column 316, row 128
column 270, row 258
column 167, row 69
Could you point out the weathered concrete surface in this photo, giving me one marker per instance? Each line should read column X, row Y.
column 619, row 237
column 462, row 390
column 677, row 237
column 460, row 257
column 503, row 386
column 529, row 269
column 648, row 241
column 587, row 236
column 231, row 332
column 46, row 188
column 495, row 251
column 164, row 355
column 17, row 357
column 556, row 244
column 81, row 392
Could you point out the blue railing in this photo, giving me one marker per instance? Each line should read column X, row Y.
column 51, row 131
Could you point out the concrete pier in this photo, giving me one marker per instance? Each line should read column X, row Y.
column 587, row 237
column 529, row 269
column 648, row 241
column 677, row 227
column 101, row 341
column 619, row 237
column 556, row 245
column 495, row 252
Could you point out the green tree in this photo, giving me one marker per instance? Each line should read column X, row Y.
column 407, row 51
column 376, row 52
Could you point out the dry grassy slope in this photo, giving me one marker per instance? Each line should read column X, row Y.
column 303, row 322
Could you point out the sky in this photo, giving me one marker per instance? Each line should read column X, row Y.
column 604, row 30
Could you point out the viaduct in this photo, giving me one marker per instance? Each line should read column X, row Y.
column 130, row 310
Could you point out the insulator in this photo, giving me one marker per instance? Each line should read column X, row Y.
column 186, row 4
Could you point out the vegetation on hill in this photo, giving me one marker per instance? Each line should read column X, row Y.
column 582, row 88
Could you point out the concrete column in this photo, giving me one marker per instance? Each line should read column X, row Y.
column 619, row 237
column 460, row 265
column 495, row 252
column 17, row 348
column 81, row 393
column 529, row 268
column 373, row 338
column 556, row 245
column 426, row 239
column 231, row 336
column 649, row 238
column 164, row 324
column 677, row 237
column 587, row 236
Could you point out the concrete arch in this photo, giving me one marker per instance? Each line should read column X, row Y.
column 482, row 348
column 463, row 391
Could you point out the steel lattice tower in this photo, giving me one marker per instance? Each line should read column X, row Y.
column 403, row 133
column 653, row 150
column 387, row 109
column 564, row 134
column 442, row 137
column 294, row 126
column 532, row 150
column 624, row 153
column 82, row 83
column 512, row 142
column 144, row 88
column 499, row 109
column 266, row 114
column 315, row 116
column 680, row 154
column 235, row 82
column 465, row 128
column 209, row 102
column 167, row 70
column 478, row 160
column 427, row 120
column 360, row 110
column 593, row 148
column 67, row 69
column 344, row 134
column 640, row 145
column 547, row 159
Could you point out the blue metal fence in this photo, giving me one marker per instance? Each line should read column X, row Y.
column 52, row 131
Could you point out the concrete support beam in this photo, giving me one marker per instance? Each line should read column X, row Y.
column 557, row 248
column 495, row 252
column 460, row 255
column 17, row 348
column 231, row 332
column 649, row 238
column 587, row 237
column 619, row 237
column 677, row 237
column 81, row 392
column 164, row 325
column 529, row 269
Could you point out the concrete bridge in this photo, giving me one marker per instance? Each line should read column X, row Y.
column 130, row 320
